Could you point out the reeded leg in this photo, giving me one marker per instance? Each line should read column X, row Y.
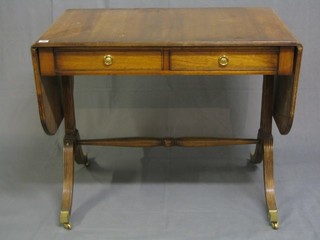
column 70, row 120
column 67, row 192
column 269, row 181
column 264, row 150
column 71, row 151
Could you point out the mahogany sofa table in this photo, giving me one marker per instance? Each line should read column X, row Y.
column 204, row 41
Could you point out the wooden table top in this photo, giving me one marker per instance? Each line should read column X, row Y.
column 168, row 28
column 188, row 41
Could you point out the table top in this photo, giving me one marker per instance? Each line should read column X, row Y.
column 166, row 41
column 168, row 28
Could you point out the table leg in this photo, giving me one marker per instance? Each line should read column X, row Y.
column 67, row 192
column 269, row 181
column 71, row 151
column 264, row 149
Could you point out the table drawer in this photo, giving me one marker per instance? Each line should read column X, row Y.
column 107, row 61
column 249, row 60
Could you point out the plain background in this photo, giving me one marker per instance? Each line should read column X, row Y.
column 155, row 193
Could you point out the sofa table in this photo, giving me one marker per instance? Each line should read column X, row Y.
column 203, row 41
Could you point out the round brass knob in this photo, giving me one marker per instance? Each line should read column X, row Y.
column 223, row 61
column 108, row 60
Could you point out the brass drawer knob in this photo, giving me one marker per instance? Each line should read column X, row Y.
column 223, row 61
column 108, row 60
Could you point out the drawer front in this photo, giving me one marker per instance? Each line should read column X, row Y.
column 246, row 60
column 107, row 61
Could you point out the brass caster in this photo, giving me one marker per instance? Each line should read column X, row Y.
column 275, row 225
column 274, row 220
column 67, row 226
column 65, row 219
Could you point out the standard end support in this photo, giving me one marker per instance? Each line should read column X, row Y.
column 65, row 219
column 274, row 219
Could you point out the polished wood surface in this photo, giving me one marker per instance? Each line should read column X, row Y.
column 49, row 97
column 264, row 149
column 123, row 60
column 167, row 142
column 168, row 42
column 249, row 60
column 167, row 28
column 210, row 41
column 286, row 95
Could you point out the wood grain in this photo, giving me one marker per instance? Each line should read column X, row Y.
column 286, row 95
column 240, row 59
column 168, row 35
column 286, row 59
column 167, row 42
column 47, row 67
column 93, row 60
column 167, row 142
column 167, row 27
column 48, row 91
